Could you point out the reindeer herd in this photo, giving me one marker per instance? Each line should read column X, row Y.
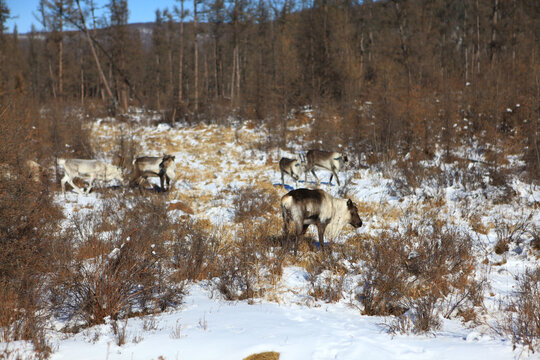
column 92, row 170
column 302, row 207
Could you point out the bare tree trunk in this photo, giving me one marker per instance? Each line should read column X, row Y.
column 158, row 80
column 180, row 62
column 52, row 80
column 196, row 57
column 237, row 74
column 494, row 22
column 217, row 94
column 170, row 89
column 233, row 77
column 477, row 38
column 206, row 81
column 94, row 54
column 61, row 52
column 82, row 87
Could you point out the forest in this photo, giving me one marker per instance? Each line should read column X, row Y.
column 431, row 94
column 424, row 65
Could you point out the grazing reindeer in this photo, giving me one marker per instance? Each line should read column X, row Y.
column 34, row 170
column 290, row 167
column 147, row 166
column 305, row 207
column 31, row 169
column 331, row 161
column 89, row 171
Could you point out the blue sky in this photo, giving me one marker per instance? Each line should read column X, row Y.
column 23, row 11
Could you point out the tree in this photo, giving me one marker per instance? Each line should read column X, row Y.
column 4, row 16
column 119, row 37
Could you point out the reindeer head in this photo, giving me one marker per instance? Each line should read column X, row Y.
column 355, row 220
column 166, row 160
column 115, row 172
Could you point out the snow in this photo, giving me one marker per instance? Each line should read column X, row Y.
column 210, row 328
column 206, row 326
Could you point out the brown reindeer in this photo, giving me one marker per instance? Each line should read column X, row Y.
column 329, row 160
column 149, row 166
column 305, row 207
column 291, row 167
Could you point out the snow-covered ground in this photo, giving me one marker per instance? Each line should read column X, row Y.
column 213, row 158
column 209, row 328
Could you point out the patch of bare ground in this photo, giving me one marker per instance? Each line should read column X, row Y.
column 269, row 355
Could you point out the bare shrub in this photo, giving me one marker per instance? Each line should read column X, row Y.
column 326, row 275
column 29, row 224
column 421, row 318
column 117, row 272
column 426, row 269
column 250, row 265
column 251, row 202
column 119, row 331
column 515, row 231
column 523, row 321
column 195, row 252
column 535, row 242
column 501, row 246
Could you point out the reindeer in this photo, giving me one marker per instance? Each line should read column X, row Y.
column 331, row 161
column 148, row 166
column 291, row 167
column 32, row 170
column 305, row 207
column 89, row 171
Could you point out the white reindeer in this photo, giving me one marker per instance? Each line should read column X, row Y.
column 331, row 161
column 89, row 171
column 305, row 207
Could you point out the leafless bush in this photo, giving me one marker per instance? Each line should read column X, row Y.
column 515, row 231
column 118, row 266
column 535, row 242
column 251, row 264
column 421, row 318
column 426, row 269
column 195, row 252
column 119, row 331
column 523, row 320
column 29, row 224
column 326, row 275
column 252, row 202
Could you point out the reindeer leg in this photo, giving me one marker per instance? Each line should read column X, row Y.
column 300, row 231
column 330, row 181
column 140, row 184
column 316, row 177
column 90, row 183
column 63, row 182
column 282, row 180
column 321, row 228
column 75, row 187
column 285, row 226
column 162, row 182
column 335, row 174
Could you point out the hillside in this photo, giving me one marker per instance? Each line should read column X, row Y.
column 424, row 277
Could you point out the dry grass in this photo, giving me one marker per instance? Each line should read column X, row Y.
column 269, row 355
column 180, row 206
